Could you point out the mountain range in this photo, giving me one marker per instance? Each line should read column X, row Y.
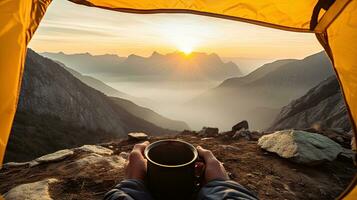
column 61, row 108
column 56, row 110
column 263, row 91
column 171, row 66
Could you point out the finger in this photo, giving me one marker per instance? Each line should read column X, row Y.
column 141, row 147
column 205, row 154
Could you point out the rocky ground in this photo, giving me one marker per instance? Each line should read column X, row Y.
column 90, row 171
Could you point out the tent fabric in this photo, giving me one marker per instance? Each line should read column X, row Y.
column 333, row 21
column 288, row 15
column 18, row 21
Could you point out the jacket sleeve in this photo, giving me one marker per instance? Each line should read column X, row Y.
column 225, row 189
column 130, row 189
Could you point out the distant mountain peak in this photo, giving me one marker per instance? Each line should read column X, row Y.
column 134, row 56
column 206, row 66
column 155, row 53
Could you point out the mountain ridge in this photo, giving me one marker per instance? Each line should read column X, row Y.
column 269, row 87
column 323, row 105
column 57, row 108
column 195, row 66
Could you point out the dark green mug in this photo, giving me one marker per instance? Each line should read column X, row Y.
column 171, row 169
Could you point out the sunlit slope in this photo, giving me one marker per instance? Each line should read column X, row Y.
column 56, row 110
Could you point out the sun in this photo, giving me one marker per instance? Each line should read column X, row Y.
column 185, row 45
column 182, row 36
column 186, row 49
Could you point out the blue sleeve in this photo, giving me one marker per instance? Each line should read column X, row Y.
column 225, row 189
column 130, row 189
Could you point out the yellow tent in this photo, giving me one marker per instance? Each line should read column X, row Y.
column 333, row 21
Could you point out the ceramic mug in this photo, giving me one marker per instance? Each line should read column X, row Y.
column 171, row 169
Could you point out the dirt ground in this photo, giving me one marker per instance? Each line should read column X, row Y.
column 266, row 174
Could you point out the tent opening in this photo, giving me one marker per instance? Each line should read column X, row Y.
column 94, row 75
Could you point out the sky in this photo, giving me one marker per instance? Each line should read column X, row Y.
column 72, row 28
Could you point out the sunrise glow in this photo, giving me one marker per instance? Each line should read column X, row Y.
column 186, row 49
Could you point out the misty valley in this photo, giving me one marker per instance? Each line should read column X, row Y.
column 201, row 89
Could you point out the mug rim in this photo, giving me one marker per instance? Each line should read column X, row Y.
column 154, row 144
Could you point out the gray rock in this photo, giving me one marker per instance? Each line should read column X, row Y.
column 96, row 149
column 31, row 191
column 301, row 147
column 242, row 134
column 138, row 136
column 227, row 134
column 95, row 159
column 56, row 156
column 15, row 164
column 88, row 165
column 241, row 125
column 208, row 132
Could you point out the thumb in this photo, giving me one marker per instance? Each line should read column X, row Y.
column 205, row 154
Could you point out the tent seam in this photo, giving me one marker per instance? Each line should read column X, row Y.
column 328, row 18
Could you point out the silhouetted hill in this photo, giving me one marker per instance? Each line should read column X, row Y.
column 259, row 96
column 172, row 66
column 53, row 98
column 256, row 74
column 86, row 63
column 322, row 104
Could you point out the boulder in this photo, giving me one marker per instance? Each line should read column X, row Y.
column 95, row 149
column 301, row 147
column 15, row 164
column 241, row 125
column 56, row 156
column 242, row 134
column 227, row 134
column 208, row 132
column 31, row 191
column 90, row 164
column 137, row 136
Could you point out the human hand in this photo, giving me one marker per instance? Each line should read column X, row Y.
column 214, row 168
column 137, row 165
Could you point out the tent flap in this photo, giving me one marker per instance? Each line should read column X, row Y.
column 18, row 21
column 282, row 14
